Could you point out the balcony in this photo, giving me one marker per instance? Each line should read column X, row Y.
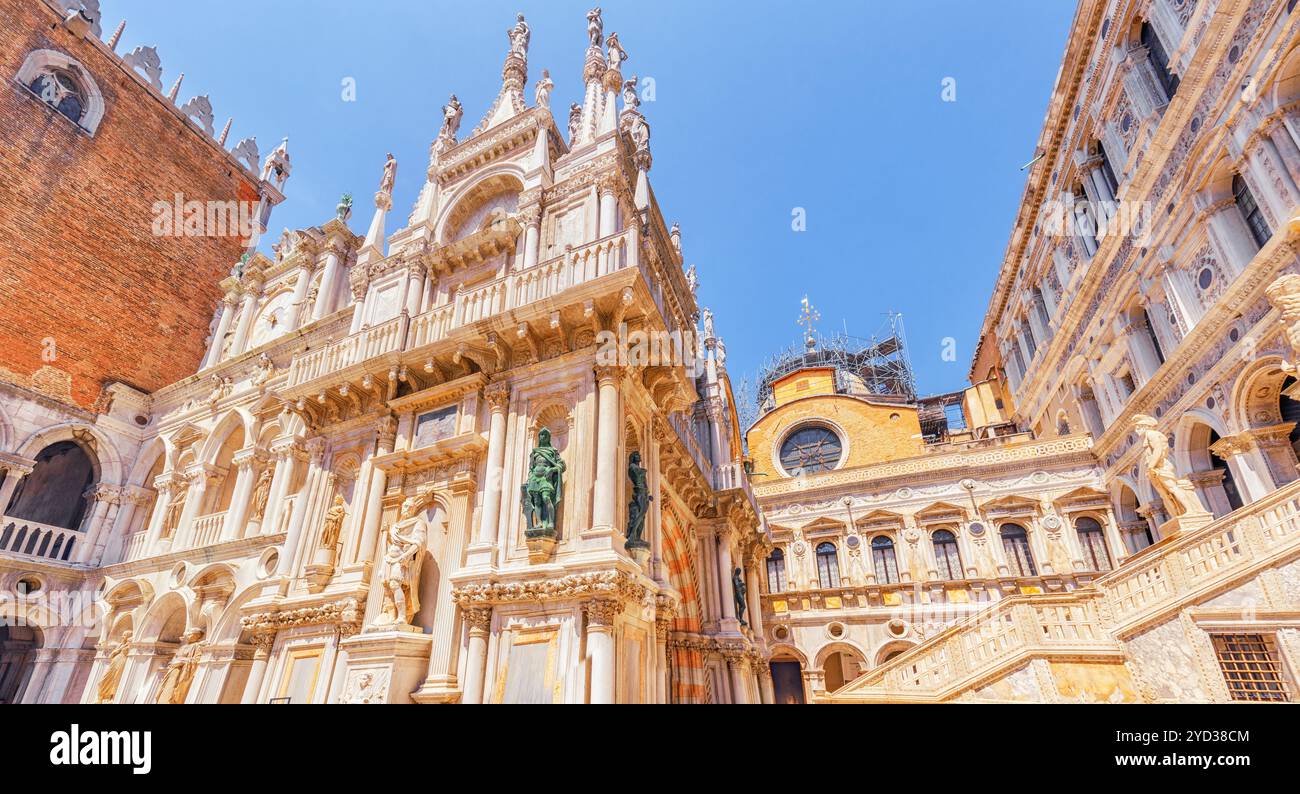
column 39, row 541
column 340, row 360
column 207, row 529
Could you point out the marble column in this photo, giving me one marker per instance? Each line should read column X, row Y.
column 482, row 552
column 298, row 311
column 727, row 595
column 328, row 283
column 286, row 454
column 257, row 673
column 532, row 218
column 608, row 208
column 765, row 690
column 245, row 462
column 601, row 615
column 105, row 501
column 736, row 667
column 387, row 430
column 183, row 535
column 754, row 599
column 1248, row 467
column 479, row 621
column 663, row 625
column 13, row 475
column 292, row 553
column 227, row 309
column 246, row 311
column 441, row 680
column 608, row 428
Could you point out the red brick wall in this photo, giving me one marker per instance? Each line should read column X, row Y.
column 79, row 262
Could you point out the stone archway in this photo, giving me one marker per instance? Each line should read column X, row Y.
column 18, row 647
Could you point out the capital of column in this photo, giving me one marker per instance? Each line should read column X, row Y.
column 498, row 397
column 1228, row 446
column 386, row 428
column 530, row 216
column 479, row 619
column 607, row 374
column 602, row 612
column 283, row 448
column 246, row 458
column 315, row 448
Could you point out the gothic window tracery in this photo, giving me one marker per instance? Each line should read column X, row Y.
column 63, row 84
column 811, row 449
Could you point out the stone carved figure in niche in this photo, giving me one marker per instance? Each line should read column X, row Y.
column 543, row 490
column 402, row 561
column 544, row 86
column 333, row 528
column 451, row 115
column 595, row 26
column 175, row 507
column 1178, row 494
column 519, row 36
column 261, row 493
column 739, row 591
column 389, row 178
column 265, row 370
column 180, row 670
column 630, row 100
column 107, row 689
column 639, row 505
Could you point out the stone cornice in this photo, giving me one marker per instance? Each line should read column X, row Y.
column 616, row 585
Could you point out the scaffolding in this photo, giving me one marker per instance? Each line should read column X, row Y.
column 875, row 366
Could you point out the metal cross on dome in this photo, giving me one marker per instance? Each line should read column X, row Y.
column 808, row 315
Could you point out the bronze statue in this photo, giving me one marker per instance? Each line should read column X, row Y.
column 640, row 504
column 738, row 590
column 543, row 490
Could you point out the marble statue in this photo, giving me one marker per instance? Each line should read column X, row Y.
column 277, row 165
column 1178, row 494
column 180, row 670
column 390, row 175
column 1284, row 294
column 543, row 491
column 595, row 27
column 116, row 663
column 175, row 507
column 692, row 280
column 630, row 100
column 575, row 119
column 333, row 528
column 721, row 353
column 261, row 493
column 640, row 503
column 519, row 36
column 451, row 115
column 708, row 323
column 265, row 370
column 617, row 55
column 402, row 561
column 542, row 98
column 738, row 592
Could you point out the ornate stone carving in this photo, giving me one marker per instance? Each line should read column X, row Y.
column 603, row 612
column 543, row 491
column 639, row 504
column 113, row 668
column 402, row 561
column 1284, row 294
column 1177, row 493
column 180, row 670
column 609, row 584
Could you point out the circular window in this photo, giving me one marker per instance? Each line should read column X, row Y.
column 27, row 585
column 178, row 574
column 269, row 562
column 781, row 633
column 811, row 449
column 836, row 630
column 1205, row 278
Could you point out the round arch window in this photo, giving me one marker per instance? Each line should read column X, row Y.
column 811, row 449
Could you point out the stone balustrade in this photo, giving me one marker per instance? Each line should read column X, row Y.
column 1151, row 585
column 31, row 539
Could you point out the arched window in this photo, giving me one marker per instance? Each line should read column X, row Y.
column 1107, row 170
column 1093, row 543
column 1250, row 211
column 65, row 85
column 1145, row 318
column 53, row 493
column 811, row 449
column 882, row 557
column 1085, row 223
column 61, row 91
column 1015, row 542
column 946, row 555
column 828, row 566
column 776, row 571
column 1159, row 60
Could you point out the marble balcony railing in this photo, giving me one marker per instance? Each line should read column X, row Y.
column 24, row 538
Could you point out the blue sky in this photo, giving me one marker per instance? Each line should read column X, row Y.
column 760, row 107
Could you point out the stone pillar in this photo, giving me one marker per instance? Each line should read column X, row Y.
column 378, row 484
column 166, row 485
column 328, row 283
column 608, row 428
column 299, row 311
column 1248, row 467
column 755, row 600
column 532, row 218
column 193, row 503
column 483, row 550
column 227, row 309
column 727, row 595
column 1209, row 485
column 414, row 288
column 249, row 308
column 359, row 289
column 287, row 454
column 663, row 625
column 479, row 621
column 257, row 673
column 103, row 509
column 245, row 462
column 735, row 657
column 13, row 475
column 441, row 682
column 298, row 518
column 608, row 209
column 765, row 689
column 601, row 615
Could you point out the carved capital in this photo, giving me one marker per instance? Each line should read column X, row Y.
column 479, row 618
column 497, row 396
column 609, row 375
column 602, row 612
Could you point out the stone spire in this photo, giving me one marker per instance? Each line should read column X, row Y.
column 372, row 249
column 593, row 70
column 514, row 76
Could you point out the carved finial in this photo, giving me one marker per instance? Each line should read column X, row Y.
column 225, row 131
column 117, row 36
column 176, row 88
